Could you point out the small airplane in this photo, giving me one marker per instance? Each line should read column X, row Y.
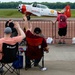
column 41, row 10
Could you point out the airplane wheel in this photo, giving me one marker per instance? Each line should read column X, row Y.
column 28, row 17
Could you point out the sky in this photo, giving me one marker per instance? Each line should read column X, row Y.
column 38, row 0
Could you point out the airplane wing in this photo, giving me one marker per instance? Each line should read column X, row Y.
column 36, row 13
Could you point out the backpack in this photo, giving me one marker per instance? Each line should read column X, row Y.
column 18, row 64
column 62, row 18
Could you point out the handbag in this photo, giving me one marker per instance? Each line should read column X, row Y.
column 18, row 64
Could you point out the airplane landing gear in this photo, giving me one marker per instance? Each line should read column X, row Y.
column 28, row 17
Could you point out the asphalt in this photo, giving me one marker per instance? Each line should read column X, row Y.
column 59, row 61
column 38, row 18
column 53, row 68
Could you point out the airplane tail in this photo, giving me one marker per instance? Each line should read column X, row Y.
column 67, row 11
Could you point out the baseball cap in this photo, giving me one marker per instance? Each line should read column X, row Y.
column 62, row 11
column 37, row 30
column 7, row 30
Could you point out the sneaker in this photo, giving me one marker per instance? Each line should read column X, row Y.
column 27, row 67
column 63, row 43
column 35, row 64
column 59, row 42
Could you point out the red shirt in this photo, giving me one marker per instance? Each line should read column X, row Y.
column 30, row 35
column 43, row 45
column 61, row 24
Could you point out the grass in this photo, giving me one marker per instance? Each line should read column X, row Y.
column 10, row 13
column 73, row 13
column 13, row 13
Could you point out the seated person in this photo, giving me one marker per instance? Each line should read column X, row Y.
column 35, row 34
column 11, row 40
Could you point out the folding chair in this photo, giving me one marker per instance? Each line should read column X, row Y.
column 10, row 53
column 35, row 50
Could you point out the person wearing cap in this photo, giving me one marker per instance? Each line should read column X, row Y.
column 62, row 26
column 36, row 34
column 11, row 40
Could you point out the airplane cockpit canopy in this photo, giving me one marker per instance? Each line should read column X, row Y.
column 39, row 6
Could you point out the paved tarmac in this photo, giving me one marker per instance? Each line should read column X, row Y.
column 63, row 52
column 59, row 61
column 53, row 68
column 38, row 18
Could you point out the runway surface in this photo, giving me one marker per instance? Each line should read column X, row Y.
column 53, row 19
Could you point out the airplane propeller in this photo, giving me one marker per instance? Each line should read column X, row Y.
column 22, row 8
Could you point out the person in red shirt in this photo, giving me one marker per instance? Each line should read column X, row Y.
column 62, row 27
column 35, row 34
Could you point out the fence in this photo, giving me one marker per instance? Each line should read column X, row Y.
column 48, row 28
column 70, row 31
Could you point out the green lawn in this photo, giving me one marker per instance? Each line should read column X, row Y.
column 10, row 13
column 73, row 13
column 13, row 13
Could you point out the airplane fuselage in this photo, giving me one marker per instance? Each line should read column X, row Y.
column 40, row 11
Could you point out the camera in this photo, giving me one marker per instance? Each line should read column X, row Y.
column 10, row 24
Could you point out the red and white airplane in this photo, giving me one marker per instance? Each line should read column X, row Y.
column 41, row 10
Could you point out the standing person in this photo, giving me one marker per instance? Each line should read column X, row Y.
column 11, row 40
column 35, row 34
column 62, row 27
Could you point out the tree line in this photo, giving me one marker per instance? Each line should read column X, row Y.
column 57, row 5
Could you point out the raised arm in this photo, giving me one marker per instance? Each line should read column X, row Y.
column 17, row 26
column 26, row 23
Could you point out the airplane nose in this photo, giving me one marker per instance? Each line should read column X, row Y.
column 23, row 9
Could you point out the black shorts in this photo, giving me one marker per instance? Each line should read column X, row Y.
column 62, row 31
